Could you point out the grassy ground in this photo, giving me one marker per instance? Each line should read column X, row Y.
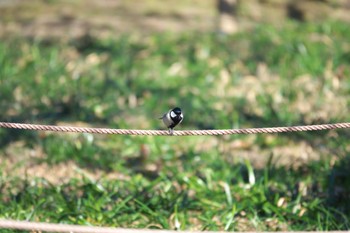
column 264, row 77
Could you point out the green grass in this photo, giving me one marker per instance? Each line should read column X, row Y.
column 268, row 77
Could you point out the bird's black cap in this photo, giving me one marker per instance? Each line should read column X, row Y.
column 177, row 110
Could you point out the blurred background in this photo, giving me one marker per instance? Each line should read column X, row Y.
column 70, row 19
column 226, row 63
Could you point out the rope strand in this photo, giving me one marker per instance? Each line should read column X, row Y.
column 176, row 132
column 51, row 227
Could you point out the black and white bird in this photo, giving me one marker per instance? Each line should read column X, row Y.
column 172, row 118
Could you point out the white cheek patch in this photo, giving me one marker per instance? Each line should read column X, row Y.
column 172, row 114
column 181, row 117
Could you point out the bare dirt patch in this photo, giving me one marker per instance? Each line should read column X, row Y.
column 42, row 19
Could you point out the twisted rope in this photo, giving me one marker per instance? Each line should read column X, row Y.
column 176, row 133
column 50, row 227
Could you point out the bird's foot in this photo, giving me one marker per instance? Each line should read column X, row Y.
column 171, row 132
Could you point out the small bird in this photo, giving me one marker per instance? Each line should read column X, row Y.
column 172, row 118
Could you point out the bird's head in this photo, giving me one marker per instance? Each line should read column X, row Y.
column 177, row 111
